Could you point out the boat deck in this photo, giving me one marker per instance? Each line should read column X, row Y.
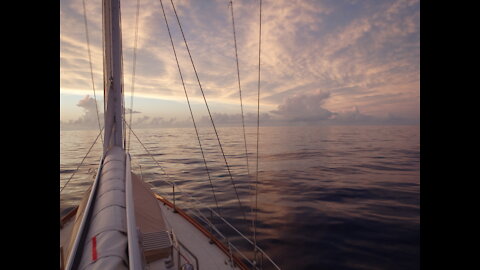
column 191, row 237
column 192, row 243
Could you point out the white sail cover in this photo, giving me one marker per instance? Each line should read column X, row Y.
column 106, row 242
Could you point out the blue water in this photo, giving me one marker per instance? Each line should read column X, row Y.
column 329, row 197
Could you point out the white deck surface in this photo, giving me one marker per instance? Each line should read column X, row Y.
column 209, row 256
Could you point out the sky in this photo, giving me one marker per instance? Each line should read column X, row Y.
column 322, row 62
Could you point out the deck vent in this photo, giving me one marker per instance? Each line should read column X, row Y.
column 156, row 245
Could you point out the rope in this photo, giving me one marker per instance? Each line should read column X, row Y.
column 133, row 71
column 90, row 62
column 78, row 167
column 190, row 108
column 258, row 134
column 209, row 113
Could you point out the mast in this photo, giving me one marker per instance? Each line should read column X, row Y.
column 113, row 75
column 109, row 213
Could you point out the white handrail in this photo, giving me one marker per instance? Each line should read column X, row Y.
column 173, row 184
column 73, row 252
column 232, row 227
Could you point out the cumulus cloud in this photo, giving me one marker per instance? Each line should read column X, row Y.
column 88, row 103
column 157, row 122
column 250, row 119
column 129, row 111
column 295, row 109
column 353, row 116
column 309, row 108
column 89, row 119
column 304, row 107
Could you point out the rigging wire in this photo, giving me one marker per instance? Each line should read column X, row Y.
column 190, row 108
column 239, row 88
column 192, row 198
column 133, row 71
column 81, row 163
column 241, row 105
column 90, row 62
column 258, row 134
column 149, row 153
column 209, row 113
column 170, row 181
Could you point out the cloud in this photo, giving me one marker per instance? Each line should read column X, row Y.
column 88, row 103
column 353, row 117
column 90, row 117
column 157, row 122
column 309, row 108
column 129, row 111
column 306, row 107
column 297, row 109
column 368, row 47
column 250, row 119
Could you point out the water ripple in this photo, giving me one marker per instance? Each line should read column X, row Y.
column 328, row 197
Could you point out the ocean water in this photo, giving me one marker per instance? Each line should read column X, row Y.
column 329, row 197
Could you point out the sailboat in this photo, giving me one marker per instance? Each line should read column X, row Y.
column 120, row 222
